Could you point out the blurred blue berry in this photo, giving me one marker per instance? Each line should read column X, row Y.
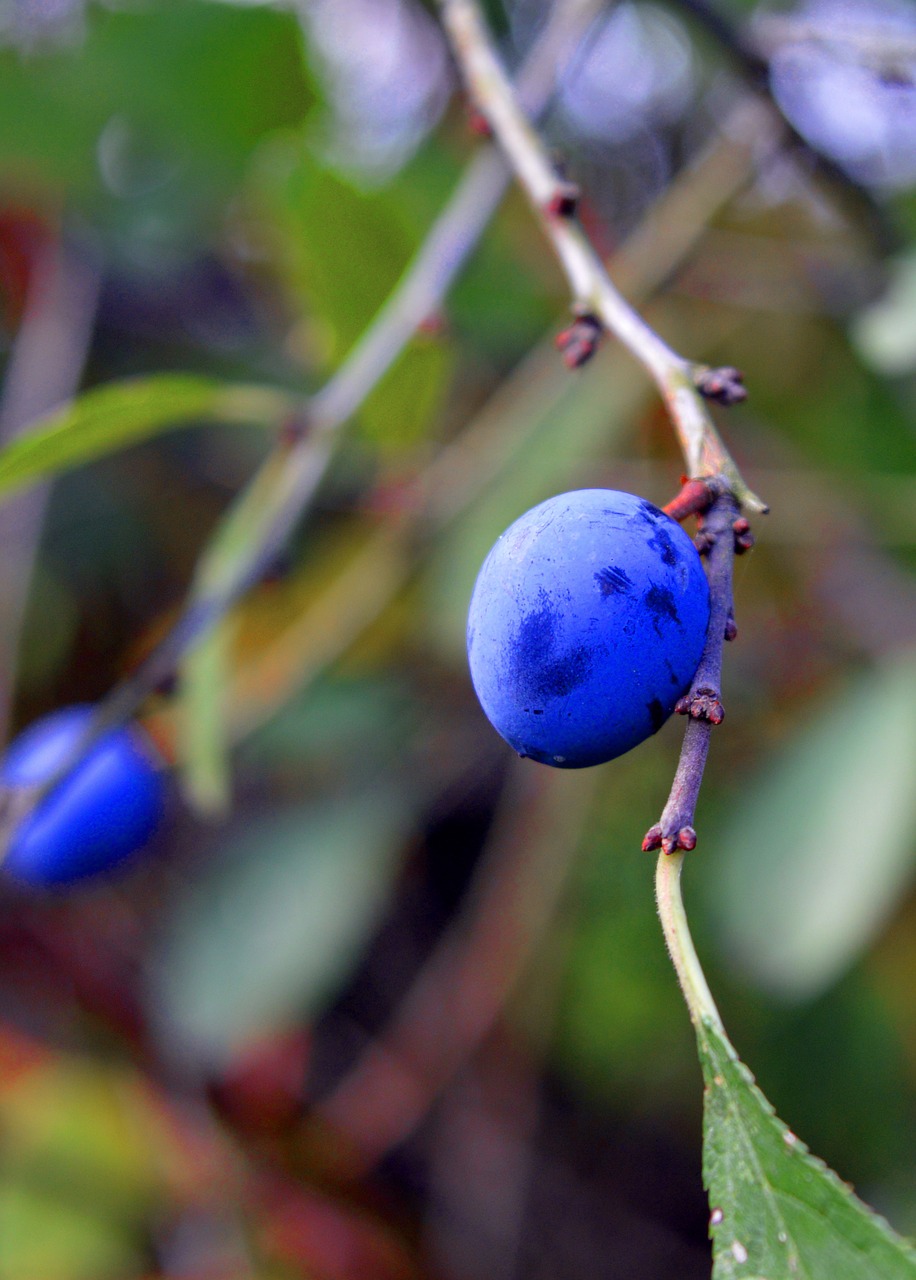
column 106, row 809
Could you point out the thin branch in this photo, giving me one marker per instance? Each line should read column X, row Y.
column 703, row 705
column 263, row 516
column 674, row 833
column 595, row 297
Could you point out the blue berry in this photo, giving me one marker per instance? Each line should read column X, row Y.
column 105, row 810
column 586, row 625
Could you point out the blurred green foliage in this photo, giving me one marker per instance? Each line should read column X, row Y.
column 148, row 1025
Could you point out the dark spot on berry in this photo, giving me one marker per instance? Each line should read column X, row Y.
column 559, row 678
column 649, row 512
column 672, row 674
column 612, row 581
column 656, row 714
column 540, row 672
column 661, row 542
column 537, row 712
column 660, row 603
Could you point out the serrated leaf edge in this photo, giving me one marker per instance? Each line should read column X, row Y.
column 709, row 1032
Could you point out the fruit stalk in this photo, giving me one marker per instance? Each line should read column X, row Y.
column 702, row 704
column 674, row 833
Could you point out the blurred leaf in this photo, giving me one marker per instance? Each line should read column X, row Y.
column 820, row 846
column 342, row 717
column 46, row 1237
column 885, row 333
column 144, row 122
column 276, row 922
column 408, row 398
column 49, row 628
column 777, row 1211
column 203, row 755
column 110, row 417
column 853, row 1097
column 341, row 250
column 617, row 1031
column 836, row 411
column 82, row 1164
column 292, row 634
column 78, row 1129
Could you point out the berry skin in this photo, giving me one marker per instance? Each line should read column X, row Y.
column 587, row 623
column 105, row 810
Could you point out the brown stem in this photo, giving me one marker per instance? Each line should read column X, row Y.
column 702, row 703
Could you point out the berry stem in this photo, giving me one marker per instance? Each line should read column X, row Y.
column 701, row 704
column 593, row 291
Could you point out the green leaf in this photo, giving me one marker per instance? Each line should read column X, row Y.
column 276, row 922
column 147, row 124
column 108, row 418
column 778, row 1213
column 398, row 411
column 340, row 251
column 45, row 1236
column 820, row 847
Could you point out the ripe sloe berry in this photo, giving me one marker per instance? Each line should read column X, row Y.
column 587, row 623
column 106, row 809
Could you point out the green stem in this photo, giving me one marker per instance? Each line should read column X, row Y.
column 680, row 944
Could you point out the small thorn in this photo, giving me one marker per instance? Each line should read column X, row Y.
column 743, row 542
column 704, row 541
column 701, row 704
column 433, row 325
column 725, row 385
column 579, row 342
column 565, row 200
column 292, row 431
column 478, row 123
column 731, row 628
column 652, row 839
